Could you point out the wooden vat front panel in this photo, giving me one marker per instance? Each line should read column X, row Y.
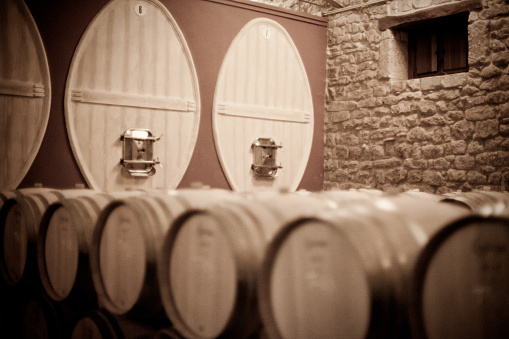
column 25, row 92
column 263, row 91
column 132, row 69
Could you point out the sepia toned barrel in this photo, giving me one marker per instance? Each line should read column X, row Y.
column 44, row 318
column 461, row 282
column 126, row 245
column 25, row 92
column 63, row 246
column 132, row 70
column 345, row 273
column 210, row 259
column 19, row 225
column 101, row 324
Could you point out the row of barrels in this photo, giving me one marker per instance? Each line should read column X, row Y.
column 210, row 263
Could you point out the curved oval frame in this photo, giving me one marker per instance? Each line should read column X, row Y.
column 127, row 58
column 263, row 91
column 21, row 134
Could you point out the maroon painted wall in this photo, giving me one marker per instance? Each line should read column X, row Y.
column 209, row 27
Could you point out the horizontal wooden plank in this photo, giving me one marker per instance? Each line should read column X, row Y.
column 262, row 112
column 21, row 88
column 132, row 100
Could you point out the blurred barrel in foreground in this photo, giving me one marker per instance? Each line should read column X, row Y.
column 126, row 244
column 211, row 257
column 345, row 273
column 63, row 246
column 461, row 282
column 19, row 224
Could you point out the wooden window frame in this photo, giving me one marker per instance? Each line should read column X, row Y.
column 443, row 48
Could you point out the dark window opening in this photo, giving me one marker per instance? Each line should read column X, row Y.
column 438, row 46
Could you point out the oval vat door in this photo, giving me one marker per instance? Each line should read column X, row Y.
column 263, row 110
column 133, row 74
column 25, row 92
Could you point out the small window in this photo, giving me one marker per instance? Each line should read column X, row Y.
column 438, row 46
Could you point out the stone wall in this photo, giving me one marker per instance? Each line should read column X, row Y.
column 436, row 134
column 315, row 7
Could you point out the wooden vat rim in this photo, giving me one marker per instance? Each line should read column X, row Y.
column 217, row 138
column 69, row 119
column 46, row 77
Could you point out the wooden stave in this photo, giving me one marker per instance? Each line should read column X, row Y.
column 389, row 290
column 483, row 202
column 163, row 207
column 42, row 82
column 441, row 239
column 274, row 209
column 32, row 207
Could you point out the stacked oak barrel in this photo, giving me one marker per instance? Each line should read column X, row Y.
column 211, row 263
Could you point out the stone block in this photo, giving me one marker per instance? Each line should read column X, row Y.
column 404, row 150
column 403, row 107
column 341, row 152
column 454, row 80
column 404, row 5
column 480, row 113
column 417, row 134
column 340, row 116
column 464, row 162
column 490, row 71
column 439, row 164
column 422, row 3
column 486, row 129
column 431, row 83
column 497, row 159
column 340, row 175
column 456, row 147
column 433, row 178
column 456, row 175
column 436, row 120
column 503, row 82
column 476, row 178
column 395, row 175
column 441, row 135
column 387, row 163
column 493, row 144
column 432, row 151
column 354, row 152
column 495, row 178
column 499, row 97
column 504, row 130
column 414, row 176
column 475, row 147
column 365, row 165
column 337, row 106
column 455, row 115
column 462, row 130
